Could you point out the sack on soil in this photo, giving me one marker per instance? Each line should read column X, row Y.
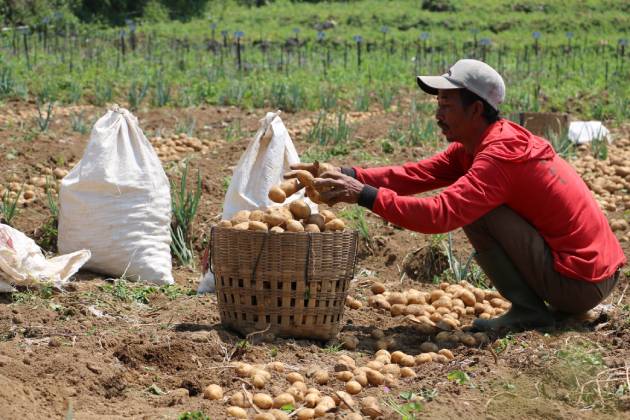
column 116, row 202
column 22, row 262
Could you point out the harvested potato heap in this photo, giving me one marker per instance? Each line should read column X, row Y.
column 295, row 217
column 609, row 179
column 315, row 395
column 178, row 145
column 34, row 187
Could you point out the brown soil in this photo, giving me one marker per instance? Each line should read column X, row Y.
column 89, row 353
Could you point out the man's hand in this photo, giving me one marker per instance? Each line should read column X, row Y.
column 335, row 187
column 316, row 168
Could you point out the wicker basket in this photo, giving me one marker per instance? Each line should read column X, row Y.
column 293, row 284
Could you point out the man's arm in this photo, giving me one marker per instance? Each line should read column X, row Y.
column 412, row 178
column 484, row 187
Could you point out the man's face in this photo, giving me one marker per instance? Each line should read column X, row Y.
column 451, row 116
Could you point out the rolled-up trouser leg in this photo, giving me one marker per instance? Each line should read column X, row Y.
column 531, row 256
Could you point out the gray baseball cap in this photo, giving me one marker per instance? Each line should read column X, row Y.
column 474, row 75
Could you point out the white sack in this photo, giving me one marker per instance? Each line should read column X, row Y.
column 581, row 132
column 22, row 262
column 116, row 202
column 261, row 167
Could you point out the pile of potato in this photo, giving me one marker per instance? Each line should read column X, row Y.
column 294, row 217
column 179, row 145
column 609, row 179
column 33, row 188
column 307, row 401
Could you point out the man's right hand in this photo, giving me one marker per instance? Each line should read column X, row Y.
column 316, row 168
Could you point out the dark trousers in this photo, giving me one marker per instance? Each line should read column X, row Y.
column 527, row 250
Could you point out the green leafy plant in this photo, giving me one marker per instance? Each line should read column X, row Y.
column 408, row 409
column 78, row 123
column 184, row 203
column 459, row 377
column 137, row 93
column 9, row 206
column 44, row 118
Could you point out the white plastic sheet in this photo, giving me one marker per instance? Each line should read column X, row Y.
column 116, row 202
column 22, row 262
column 582, row 132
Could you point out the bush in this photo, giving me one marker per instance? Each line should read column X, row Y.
column 438, row 5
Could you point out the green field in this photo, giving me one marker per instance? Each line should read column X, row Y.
column 579, row 63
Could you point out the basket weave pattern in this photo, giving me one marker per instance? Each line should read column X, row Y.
column 294, row 284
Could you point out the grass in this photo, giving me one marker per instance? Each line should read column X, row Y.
column 333, row 348
column 125, row 291
column 408, row 409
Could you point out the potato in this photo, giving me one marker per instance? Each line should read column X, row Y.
column 479, row 308
column 391, row 368
column 300, row 209
column 344, row 376
column 397, row 298
column 353, row 416
column 325, row 405
column 353, row 303
column 259, row 226
column 435, row 317
column 256, row 216
column 263, row 401
column 236, row 412
column 305, row 413
column 447, row 323
column 396, row 356
column 407, row 372
column 311, row 400
column 485, row 315
column 467, row 339
column 467, row 297
column 447, row 353
column 377, row 288
column 290, row 186
column 297, row 394
column 428, row 346
column 384, row 360
column 264, row 416
column 335, row 225
column 370, row 407
column 311, row 228
column 353, row 387
column 279, row 414
column 423, row 358
column 343, row 400
column 300, row 386
column 407, row 361
column 276, row 229
column 283, row 399
column 362, row 379
column 241, row 226
column 415, row 297
column 238, row 399
column 244, row 369
column 275, row 366
column 213, row 392
column 347, row 360
column 397, row 310
column 328, row 215
column 440, row 358
column 225, row 224
column 294, row 226
column 60, row 173
column 350, row 342
column 240, row 217
column 375, row 364
column 383, row 352
column 316, row 219
column 481, row 338
column 321, row 377
column 497, row 302
column 274, row 219
column 277, row 195
column 374, row 377
column 259, row 381
column 295, row 377
column 444, row 301
column 436, row 294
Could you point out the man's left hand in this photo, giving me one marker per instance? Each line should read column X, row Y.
column 335, row 187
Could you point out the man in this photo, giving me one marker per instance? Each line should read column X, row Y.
column 538, row 232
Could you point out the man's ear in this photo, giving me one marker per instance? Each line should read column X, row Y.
column 477, row 109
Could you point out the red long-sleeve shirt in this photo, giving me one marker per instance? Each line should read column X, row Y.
column 512, row 167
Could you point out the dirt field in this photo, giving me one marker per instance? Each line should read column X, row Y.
column 100, row 350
